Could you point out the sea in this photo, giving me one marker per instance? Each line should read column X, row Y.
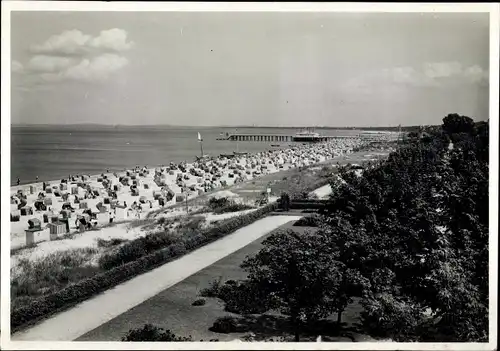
column 55, row 152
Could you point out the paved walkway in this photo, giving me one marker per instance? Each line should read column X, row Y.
column 88, row 315
column 323, row 192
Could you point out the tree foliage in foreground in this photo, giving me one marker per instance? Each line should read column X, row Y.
column 410, row 234
column 295, row 274
column 421, row 217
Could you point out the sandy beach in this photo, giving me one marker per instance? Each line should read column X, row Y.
column 131, row 194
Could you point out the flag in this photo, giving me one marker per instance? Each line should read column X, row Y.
column 199, row 137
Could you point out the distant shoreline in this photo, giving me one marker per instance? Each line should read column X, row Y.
column 142, row 126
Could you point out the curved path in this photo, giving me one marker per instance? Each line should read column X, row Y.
column 90, row 314
column 323, row 192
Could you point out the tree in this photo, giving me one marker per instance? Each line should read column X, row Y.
column 386, row 315
column 352, row 284
column 416, row 226
column 300, row 277
column 454, row 124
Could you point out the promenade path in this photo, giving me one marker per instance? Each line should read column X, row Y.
column 323, row 192
column 88, row 315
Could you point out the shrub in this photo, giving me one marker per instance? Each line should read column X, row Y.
column 137, row 248
column 193, row 223
column 199, row 302
column 193, row 241
column 178, row 249
column 228, row 324
column 232, row 207
column 243, row 298
column 150, row 332
column 213, row 290
column 308, row 221
column 155, row 241
column 110, row 243
column 161, row 220
column 216, row 203
column 239, row 297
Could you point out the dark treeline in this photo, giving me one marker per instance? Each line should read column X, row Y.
column 416, row 228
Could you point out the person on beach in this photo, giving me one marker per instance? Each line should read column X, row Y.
column 18, row 181
column 36, row 179
column 111, row 216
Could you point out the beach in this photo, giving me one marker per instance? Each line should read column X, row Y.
column 54, row 152
column 148, row 189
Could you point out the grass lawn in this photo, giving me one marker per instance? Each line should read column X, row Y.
column 172, row 309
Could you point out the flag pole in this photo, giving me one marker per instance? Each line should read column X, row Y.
column 200, row 140
column 237, row 148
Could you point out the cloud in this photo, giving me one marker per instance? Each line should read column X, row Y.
column 88, row 69
column 74, row 42
column 409, row 76
column 16, row 66
column 97, row 68
column 43, row 63
column 113, row 39
column 442, row 69
column 431, row 74
column 77, row 56
column 476, row 74
column 68, row 42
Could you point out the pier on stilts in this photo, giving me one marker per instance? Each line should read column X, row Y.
column 307, row 136
column 280, row 138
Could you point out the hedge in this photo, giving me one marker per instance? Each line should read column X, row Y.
column 47, row 305
column 140, row 247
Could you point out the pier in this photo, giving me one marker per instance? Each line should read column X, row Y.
column 280, row 138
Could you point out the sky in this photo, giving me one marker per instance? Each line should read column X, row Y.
column 267, row 69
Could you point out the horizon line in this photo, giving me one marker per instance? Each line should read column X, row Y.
column 205, row 126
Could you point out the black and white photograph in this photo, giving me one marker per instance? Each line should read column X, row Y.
column 249, row 175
